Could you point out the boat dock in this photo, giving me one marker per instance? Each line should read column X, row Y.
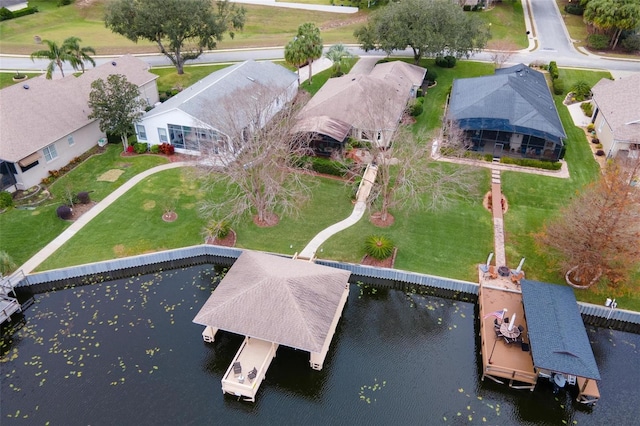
column 9, row 304
column 248, row 368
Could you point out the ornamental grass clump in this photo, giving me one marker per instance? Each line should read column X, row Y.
column 378, row 246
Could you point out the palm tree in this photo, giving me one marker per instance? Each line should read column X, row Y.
column 310, row 43
column 80, row 54
column 294, row 55
column 56, row 54
column 337, row 54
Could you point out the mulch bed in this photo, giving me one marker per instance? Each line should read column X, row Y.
column 377, row 220
column 228, row 241
column 269, row 220
column 384, row 263
column 169, row 216
column 80, row 209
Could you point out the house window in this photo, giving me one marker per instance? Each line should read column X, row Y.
column 29, row 166
column 162, row 134
column 142, row 134
column 50, row 152
column 70, row 140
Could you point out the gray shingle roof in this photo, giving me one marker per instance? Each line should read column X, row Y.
column 204, row 99
column 515, row 99
column 289, row 302
column 559, row 341
column 38, row 112
column 619, row 103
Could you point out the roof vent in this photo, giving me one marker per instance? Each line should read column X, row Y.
column 114, row 63
column 353, row 79
column 25, row 86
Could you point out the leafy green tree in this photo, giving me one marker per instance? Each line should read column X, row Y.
column 57, row 55
column 117, row 104
column 182, row 29
column 306, row 44
column 429, row 27
column 80, row 54
column 337, row 54
column 612, row 16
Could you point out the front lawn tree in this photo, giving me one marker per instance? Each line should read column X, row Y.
column 305, row 47
column 597, row 235
column 79, row 53
column 429, row 27
column 338, row 54
column 182, row 29
column 612, row 16
column 116, row 104
column 258, row 163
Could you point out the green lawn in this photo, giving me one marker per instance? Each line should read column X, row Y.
column 169, row 77
column 138, row 217
column 507, row 25
column 25, row 232
column 265, row 26
column 534, row 199
column 321, row 78
column 6, row 78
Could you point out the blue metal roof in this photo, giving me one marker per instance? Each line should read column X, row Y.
column 557, row 334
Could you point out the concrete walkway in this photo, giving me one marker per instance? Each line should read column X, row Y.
column 66, row 235
column 364, row 190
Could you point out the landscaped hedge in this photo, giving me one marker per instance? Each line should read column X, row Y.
column 553, row 70
column 631, row 43
column 327, row 166
column 140, row 148
column 574, row 9
column 558, row 87
column 6, row 200
column 598, row 41
column 6, row 14
column 587, row 108
column 446, row 62
column 530, row 162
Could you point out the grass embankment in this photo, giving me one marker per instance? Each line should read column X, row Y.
column 25, row 232
column 265, row 26
column 507, row 26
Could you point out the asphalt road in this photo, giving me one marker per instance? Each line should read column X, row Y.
column 553, row 45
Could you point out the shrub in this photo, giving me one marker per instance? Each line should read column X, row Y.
column 466, row 8
column 595, row 140
column 558, row 87
column 574, row 9
column 64, row 212
column 590, row 127
column 582, row 90
column 431, row 76
column 378, row 246
column 216, row 229
column 83, row 197
column 166, row 148
column 446, row 62
column 631, row 43
column 553, row 70
column 598, row 41
column 5, row 14
column 140, row 148
column 6, row 200
column 415, row 107
column 587, row 108
column 154, row 149
column 7, row 265
column 532, row 162
column 599, row 153
column 130, row 149
column 328, row 167
column 598, row 146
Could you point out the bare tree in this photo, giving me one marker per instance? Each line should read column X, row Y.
column 502, row 51
column 407, row 174
column 598, row 233
column 260, row 159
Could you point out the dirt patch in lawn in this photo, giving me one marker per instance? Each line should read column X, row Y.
column 377, row 220
column 384, row 263
column 110, row 175
column 80, row 209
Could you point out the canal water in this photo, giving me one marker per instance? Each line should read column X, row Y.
column 126, row 353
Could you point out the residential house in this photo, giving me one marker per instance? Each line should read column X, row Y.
column 14, row 5
column 44, row 123
column 616, row 115
column 367, row 107
column 195, row 120
column 510, row 113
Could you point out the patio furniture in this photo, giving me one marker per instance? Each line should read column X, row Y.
column 237, row 369
column 252, row 374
